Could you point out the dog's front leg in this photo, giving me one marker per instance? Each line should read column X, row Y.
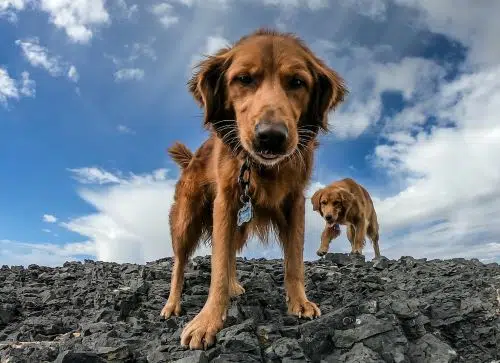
column 200, row 332
column 292, row 238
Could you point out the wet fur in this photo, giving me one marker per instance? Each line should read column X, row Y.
column 350, row 204
column 207, row 196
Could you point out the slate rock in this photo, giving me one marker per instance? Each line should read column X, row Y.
column 409, row 310
column 429, row 349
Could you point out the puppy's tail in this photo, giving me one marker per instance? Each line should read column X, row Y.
column 180, row 154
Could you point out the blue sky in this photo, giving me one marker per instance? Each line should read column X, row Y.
column 93, row 91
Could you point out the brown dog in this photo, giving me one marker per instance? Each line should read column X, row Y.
column 265, row 99
column 348, row 203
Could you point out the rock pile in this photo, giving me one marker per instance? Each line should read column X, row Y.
column 388, row 311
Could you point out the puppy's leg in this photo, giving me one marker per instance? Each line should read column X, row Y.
column 359, row 236
column 351, row 232
column 327, row 235
column 185, row 232
column 292, row 239
column 374, row 236
column 200, row 332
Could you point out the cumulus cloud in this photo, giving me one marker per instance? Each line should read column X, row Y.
column 73, row 74
column 49, row 218
column 8, row 8
column 131, row 219
column 451, row 172
column 13, row 89
column 78, row 18
column 474, row 26
column 125, row 10
column 212, row 44
column 129, row 74
column 39, row 56
column 165, row 13
column 47, row 254
column 125, row 130
column 8, row 87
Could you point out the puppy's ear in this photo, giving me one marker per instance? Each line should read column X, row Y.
column 329, row 91
column 208, row 88
column 315, row 200
column 347, row 198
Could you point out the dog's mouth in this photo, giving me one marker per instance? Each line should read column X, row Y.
column 269, row 158
column 268, row 155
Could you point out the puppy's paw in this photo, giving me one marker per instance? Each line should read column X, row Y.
column 321, row 252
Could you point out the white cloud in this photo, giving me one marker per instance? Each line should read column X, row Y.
column 12, row 89
column 78, row 18
column 46, row 230
column 212, row 44
column 165, row 14
column 129, row 74
column 415, row 78
column 125, row 130
column 93, row 175
column 8, row 8
column 131, row 219
column 73, row 74
column 38, row 56
column 47, row 254
column 27, row 85
column 49, row 218
column 125, row 10
column 474, row 26
column 8, row 87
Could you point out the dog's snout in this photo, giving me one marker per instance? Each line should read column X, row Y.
column 271, row 136
column 329, row 218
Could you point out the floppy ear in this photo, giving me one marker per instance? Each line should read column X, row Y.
column 208, row 88
column 347, row 198
column 329, row 91
column 315, row 199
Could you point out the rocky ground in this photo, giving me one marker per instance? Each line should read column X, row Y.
column 389, row 311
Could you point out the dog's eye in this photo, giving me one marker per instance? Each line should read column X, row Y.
column 296, row 83
column 323, row 202
column 245, row 79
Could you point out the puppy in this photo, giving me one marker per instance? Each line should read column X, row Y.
column 265, row 100
column 348, row 203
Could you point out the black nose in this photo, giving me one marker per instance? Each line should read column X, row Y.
column 328, row 218
column 270, row 137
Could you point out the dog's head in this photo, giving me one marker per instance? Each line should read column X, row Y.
column 333, row 204
column 268, row 94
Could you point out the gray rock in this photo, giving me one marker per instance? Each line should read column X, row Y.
column 380, row 311
column 429, row 349
column 366, row 326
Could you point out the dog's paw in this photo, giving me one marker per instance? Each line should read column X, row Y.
column 303, row 309
column 235, row 289
column 171, row 308
column 200, row 332
column 321, row 252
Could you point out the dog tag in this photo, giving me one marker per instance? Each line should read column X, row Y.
column 245, row 213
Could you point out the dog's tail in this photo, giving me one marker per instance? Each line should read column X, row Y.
column 180, row 154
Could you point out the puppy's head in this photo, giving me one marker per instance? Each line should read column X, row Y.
column 268, row 94
column 332, row 204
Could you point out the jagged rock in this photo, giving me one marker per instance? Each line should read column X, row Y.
column 410, row 310
column 430, row 349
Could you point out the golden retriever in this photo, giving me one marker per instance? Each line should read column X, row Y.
column 348, row 203
column 265, row 99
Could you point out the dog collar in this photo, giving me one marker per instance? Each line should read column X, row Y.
column 245, row 213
